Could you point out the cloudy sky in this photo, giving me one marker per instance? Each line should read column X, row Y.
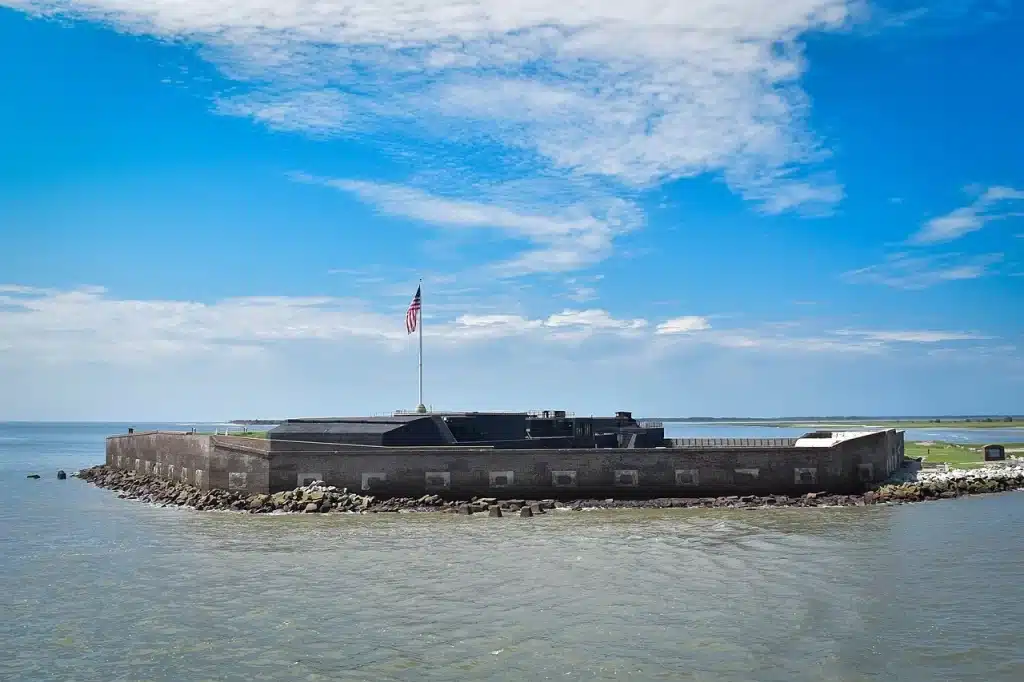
column 214, row 209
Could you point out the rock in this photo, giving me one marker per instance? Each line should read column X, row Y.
column 536, row 508
column 465, row 509
column 61, row 475
column 33, row 476
column 494, row 512
column 526, row 512
column 311, row 508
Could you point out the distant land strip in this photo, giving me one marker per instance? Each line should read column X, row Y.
column 887, row 422
column 922, row 422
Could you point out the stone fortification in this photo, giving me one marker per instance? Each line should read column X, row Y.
column 257, row 466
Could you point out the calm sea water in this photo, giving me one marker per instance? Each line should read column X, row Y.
column 97, row 588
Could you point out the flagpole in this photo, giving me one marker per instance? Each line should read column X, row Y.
column 421, row 407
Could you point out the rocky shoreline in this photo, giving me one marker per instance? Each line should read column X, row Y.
column 318, row 498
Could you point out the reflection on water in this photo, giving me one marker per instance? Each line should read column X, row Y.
column 97, row 588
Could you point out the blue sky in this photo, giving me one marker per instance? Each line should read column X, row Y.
column 220, row 209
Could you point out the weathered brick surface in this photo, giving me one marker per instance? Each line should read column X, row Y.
column 256, row 465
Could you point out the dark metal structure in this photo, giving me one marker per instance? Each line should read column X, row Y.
column 500, row 430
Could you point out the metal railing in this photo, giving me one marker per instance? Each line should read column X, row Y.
column 732, row 442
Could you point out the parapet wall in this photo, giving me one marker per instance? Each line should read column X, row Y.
column 227, row 462
column 259, row 466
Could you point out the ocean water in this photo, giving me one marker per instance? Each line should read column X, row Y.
column 98, row 588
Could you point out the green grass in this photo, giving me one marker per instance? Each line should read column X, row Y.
column 960, row 456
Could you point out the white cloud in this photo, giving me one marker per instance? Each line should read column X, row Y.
column 921, row 336
column 318, row 113
column 582, row 294
column 905, row 271
column 562, row 240
column 777, row 342
column 988, row 206
column 635, row 92
column 683, row 325
column 87, row 324
column 597, row 319
column 568, row 325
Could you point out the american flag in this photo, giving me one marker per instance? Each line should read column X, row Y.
column 412, row 315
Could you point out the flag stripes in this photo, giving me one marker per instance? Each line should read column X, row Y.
column 412, row 315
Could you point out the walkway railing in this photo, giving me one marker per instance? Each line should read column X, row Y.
column 732, row 442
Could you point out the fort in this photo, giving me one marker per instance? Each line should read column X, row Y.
column 550, row 454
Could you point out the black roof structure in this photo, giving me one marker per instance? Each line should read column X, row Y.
column 549, row 429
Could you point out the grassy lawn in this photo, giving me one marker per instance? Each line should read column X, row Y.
column 962, row 456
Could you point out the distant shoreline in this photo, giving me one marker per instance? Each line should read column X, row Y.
column 917, row 423
column 952, row 421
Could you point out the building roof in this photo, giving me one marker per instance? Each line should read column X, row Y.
column 826, row 439
column 369, row 425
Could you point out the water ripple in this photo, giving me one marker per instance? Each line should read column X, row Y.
column 97, row 588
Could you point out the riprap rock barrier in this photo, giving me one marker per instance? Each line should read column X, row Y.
column 935, row 484
column 319, row 498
